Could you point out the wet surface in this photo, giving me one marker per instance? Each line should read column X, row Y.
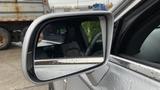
column 11, row 76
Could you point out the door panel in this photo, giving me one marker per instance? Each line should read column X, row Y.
column 117, row 78
column 120, row 78
column 73, row 83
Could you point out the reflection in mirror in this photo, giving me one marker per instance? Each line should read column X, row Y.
column 68, row 45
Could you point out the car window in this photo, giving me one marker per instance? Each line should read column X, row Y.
column 91, row 29
column 150, row 49
column 144, row 44
column 54, row 33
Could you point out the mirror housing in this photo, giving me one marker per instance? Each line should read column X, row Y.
column 30, row 45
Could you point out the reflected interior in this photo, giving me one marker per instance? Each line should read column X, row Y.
column 64, row 45
column 70, row 39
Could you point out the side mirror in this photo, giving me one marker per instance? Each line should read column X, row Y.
column 65, row 44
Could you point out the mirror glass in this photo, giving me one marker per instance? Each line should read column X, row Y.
column 68, row 45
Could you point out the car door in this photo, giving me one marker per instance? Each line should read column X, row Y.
column 135, row 55
column 134, row 63
column 135, row 52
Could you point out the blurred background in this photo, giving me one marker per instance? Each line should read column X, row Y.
column 80, row 2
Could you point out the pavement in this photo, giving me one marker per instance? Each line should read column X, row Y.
column 11, row 76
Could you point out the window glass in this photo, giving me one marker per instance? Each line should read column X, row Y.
column 91, row 28
column 55, row 33
column 150, row 49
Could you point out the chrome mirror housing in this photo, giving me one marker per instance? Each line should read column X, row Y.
column 65, row 44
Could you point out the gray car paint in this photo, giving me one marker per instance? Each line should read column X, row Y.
column 116, row 78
